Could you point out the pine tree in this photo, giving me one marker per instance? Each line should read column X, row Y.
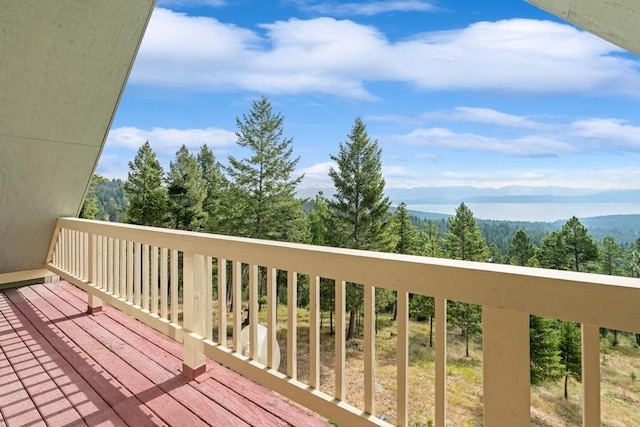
column 570, row 353
column 578, row 243
column 147, row 196
column 610, row 256
column 216, row 201
column 553, row 253
column 407, row 241
column 521, row 250
column 187, row 191
column 544, row 344
column 263, row 186
column 359, row 210
column 430, row 240
column 91, row 206
column 464, row 241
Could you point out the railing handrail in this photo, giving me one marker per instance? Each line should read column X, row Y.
column 580, row 297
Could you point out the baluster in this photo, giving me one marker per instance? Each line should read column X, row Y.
column 292, row 324
column 340, row 339
column 272, row 310
column 130, row 271
column 402, row 395
column 208, row 298
column 94, row 304
column 105, row 265
column 237, row 305
column 253, row 312
column 174, row 286
column 222, row 301
column 123, row 270
column 314, row 332
column 369, row 349
column 154, row 280
column 137, row 275
column 145, row 276
column 164, row 283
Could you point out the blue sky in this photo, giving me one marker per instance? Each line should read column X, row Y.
column 480, row 93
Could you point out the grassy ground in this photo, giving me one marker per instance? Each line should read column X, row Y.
column 620, row 388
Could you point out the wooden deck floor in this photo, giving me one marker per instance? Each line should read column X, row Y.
column 62, row 367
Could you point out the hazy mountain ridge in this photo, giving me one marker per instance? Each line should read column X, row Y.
column 512, row 194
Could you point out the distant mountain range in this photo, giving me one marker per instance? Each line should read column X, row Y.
column 513, row 194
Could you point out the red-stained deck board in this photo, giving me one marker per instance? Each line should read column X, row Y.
column 227, row 401
column 61, row 366
column 218, row 382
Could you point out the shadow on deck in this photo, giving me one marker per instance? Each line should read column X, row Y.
column 60, row 366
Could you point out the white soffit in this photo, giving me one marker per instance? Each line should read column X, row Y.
column 617, row 21
column 63, row 66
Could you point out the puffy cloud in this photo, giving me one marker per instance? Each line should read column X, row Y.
column 340, row 57
column 167, row 141
column 607, row 134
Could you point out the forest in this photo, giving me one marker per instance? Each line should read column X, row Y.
column 255, row 197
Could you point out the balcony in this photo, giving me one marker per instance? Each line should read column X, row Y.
column 133, row 268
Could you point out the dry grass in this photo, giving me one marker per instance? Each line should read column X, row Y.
column 620, row 389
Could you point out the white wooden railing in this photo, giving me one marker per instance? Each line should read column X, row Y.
column 135, row 269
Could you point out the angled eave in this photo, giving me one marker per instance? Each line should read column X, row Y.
column 613, row 20
column 64, row 66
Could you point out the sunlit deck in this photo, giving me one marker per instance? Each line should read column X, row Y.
column 61, row 366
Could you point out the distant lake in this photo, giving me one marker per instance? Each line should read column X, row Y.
column 547, row 212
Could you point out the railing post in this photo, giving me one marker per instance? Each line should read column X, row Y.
column 193, row 286
column 590, row 375
column 505, row 349
column 94, row 304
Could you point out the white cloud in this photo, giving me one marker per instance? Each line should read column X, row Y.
column 368, row 8
column 529, row 145
column 487, row 116
column 340, row 57
column 316, row 175
column 166, row 141
column 607, row 134
column 603, row 179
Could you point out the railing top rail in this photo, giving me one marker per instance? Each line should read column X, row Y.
column 582, row 297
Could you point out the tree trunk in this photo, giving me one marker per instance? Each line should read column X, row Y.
column 395, row 308
column 566, row 381
column 331, row 321
column 352, row 324
column 638, row 339
column 466, row 339
column 431, row 330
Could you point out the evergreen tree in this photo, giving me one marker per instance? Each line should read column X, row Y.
column 91, row 206
column 570, row 353
column 610, row 256
column 464, row 241
column 319, row 221
column 430, row 240
column 406, row 233
column 544, row 348
column 263, row 186
column 147, row 196
column 578, row 243
column 187, row 192
column 320, row 234
column 553, row 253
column 359, row 210
column 521, row 250
column 216, row 203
